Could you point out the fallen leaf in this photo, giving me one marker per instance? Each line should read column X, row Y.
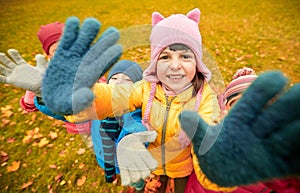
column 62, row 153
column 3, row 157
column 6, row 108
column 5, row 122
column 11, row 140
column 12, row 123
column 33, row 117
column 50, row 145
column 81, row 181
column 29, row 132
column 26, row 139
column 62, row 182
column 36, row 130
column 3, row 164
column 53, row 166
column 14, row 166
column 29, row 150
column 81, row 165
column 3, row 153
column 58, row 177
column 7, row 113
column 81, row 151
column 43, row 142
column 53, row 135
column 37, row 136
column 26, row 185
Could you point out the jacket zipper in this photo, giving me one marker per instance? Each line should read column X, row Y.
column 163, row 136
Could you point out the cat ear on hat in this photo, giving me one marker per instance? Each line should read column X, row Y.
column 194, row 15
column 156, row 17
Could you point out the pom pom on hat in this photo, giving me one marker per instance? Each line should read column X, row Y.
column 243, row 72
column 241, row 81
column 127, row 67
column 175, row 29
column 50, row 34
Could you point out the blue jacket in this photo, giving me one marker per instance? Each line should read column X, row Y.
column 132, row 123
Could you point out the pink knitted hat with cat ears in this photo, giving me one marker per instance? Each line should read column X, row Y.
column 177, row 28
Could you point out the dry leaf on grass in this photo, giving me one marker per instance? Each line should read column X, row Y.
column 6, row 112
column 43, row 142
column 33, row 117
column 7, row 107
column 53, row 135
column 62, row 182
column 26, row 139
column 81, row 181
column 81, row 151
column 5, row 122
column 11, row 140
column 14, row 166
column 26, row 185
column 81, row 166
column 58, row 177
column 4, row 156
column 53, row 166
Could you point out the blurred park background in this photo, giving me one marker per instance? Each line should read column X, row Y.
column 38, row 155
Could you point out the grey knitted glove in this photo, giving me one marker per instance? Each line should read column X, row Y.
column 17, row 72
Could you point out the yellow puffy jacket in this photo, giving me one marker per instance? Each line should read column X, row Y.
column 174, row 160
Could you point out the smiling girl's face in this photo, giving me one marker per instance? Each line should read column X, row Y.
column 176, row 67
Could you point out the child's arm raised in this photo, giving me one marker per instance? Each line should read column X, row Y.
column 17, row 72
column 258, row 139
column 77, row 65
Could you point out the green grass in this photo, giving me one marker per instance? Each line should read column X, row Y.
column 263, row 35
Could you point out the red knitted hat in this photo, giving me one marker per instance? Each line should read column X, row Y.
column 49, row 34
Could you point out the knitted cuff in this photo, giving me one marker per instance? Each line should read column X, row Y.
column 79, row 128
column 26, row 106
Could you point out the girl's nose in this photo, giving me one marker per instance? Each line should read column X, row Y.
column 175, row 64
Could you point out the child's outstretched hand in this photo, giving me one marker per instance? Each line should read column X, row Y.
column 257, row 140
column 77, row 65
column 134, row 160
column 17, row 72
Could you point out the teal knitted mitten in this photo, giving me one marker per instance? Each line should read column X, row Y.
column 77, row 65
column 258, row 139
